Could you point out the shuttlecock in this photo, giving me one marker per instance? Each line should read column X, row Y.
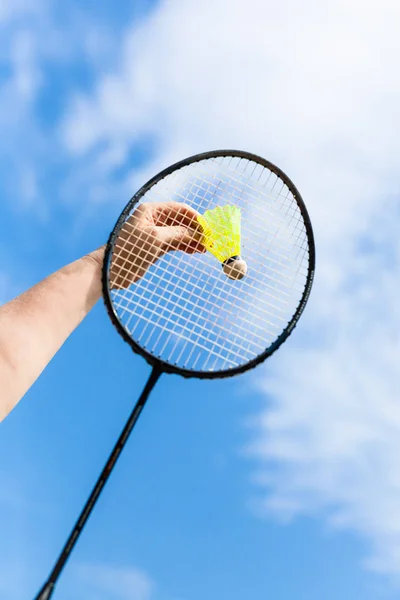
column 222, row 237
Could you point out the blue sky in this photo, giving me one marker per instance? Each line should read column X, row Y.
column 284, row 482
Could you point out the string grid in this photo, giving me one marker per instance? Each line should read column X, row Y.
column 183, row 309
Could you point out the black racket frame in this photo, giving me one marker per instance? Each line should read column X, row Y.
column 155, row 361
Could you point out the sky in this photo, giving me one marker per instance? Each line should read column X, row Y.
column 282, row 482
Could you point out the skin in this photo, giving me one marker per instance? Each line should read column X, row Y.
column 35, row 325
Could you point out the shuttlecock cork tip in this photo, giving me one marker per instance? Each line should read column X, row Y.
column 235, row 268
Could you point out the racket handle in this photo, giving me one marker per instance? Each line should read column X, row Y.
column 46, row 591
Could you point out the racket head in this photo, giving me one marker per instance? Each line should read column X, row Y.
column 288, row 192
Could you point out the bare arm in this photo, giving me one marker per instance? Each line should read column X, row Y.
column 34, row 325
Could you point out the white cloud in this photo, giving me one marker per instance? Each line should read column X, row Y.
column 116, row 583
column 27, row 76
column 9, row 11
column 23, row 149
column 40, row 45
column 312, row 86
column 333, row 426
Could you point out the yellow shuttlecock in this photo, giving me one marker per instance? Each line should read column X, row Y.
column 221, row 237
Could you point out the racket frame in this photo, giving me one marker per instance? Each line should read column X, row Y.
column 155, row 361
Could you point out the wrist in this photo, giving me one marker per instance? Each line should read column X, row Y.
column 97, row 255
column 94, row 260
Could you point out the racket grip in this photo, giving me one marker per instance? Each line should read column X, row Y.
column 46, row 591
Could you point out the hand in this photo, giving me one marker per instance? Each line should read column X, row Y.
column 151, row 231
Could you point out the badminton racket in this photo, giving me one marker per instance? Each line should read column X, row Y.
column 206, row 315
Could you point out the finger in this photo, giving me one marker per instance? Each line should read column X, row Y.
column 175, row 214
column 193, row 247
column 179, row 238
column 198, row 249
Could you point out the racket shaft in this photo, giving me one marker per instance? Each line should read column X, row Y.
column 48, row 588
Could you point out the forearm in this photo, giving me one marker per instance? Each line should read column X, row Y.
column 34, row 325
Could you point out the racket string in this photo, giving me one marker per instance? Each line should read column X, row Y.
column 183, row 309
